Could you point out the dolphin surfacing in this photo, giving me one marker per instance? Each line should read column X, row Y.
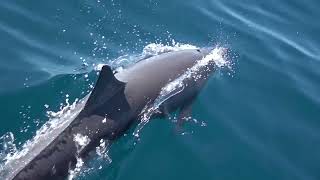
column 114, row 104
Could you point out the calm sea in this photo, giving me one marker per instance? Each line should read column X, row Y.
column 259, row 121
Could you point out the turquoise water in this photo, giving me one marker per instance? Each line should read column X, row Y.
column 262, row 120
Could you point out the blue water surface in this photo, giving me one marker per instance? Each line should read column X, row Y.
column 262, row 119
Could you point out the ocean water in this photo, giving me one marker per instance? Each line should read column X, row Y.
column 259, row 119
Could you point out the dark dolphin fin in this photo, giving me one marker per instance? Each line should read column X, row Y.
column 107, row 96
column 106, row 86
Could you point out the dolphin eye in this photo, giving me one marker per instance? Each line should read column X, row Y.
column 198, row 50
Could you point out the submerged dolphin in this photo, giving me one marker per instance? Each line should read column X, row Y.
column 114, row 104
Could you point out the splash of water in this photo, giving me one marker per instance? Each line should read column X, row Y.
column 8, row 147
column 154, row 49
column 103, row 149
column 16, row 159
column 74, row 172
column 81, row 141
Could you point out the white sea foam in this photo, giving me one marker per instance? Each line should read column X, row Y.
column 81, row 141
column 74, row 172
column 154, row 49
column 103, row 149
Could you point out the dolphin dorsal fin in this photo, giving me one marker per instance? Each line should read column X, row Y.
column 106, row 87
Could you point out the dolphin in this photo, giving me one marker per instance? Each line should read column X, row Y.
column 115, row 103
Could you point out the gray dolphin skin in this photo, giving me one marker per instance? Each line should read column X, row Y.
column 116, row 103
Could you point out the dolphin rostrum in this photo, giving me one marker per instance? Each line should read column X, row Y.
column 114, row 104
